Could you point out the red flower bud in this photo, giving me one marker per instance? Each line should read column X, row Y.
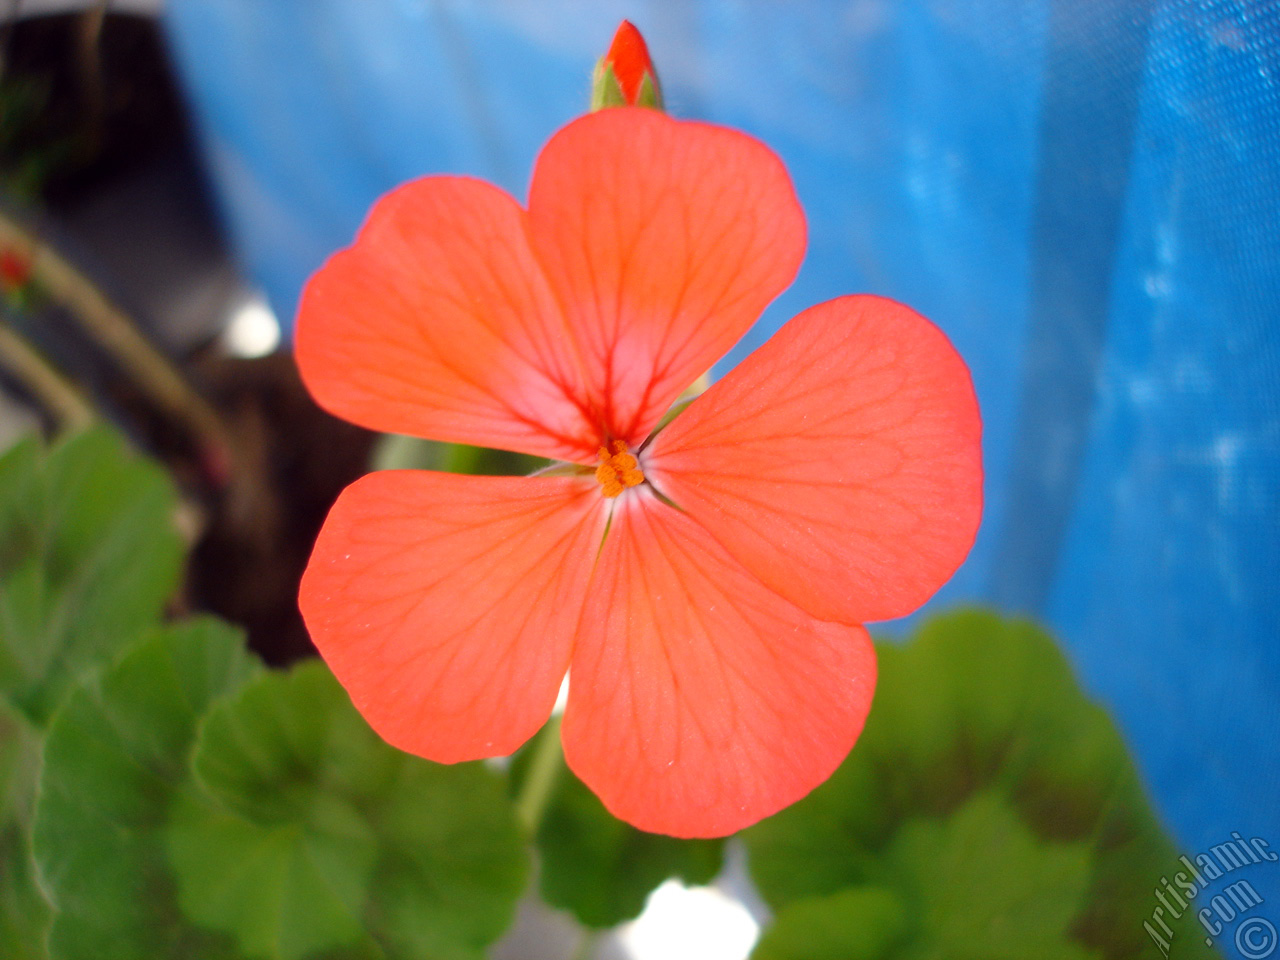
column 625, row 76
column 15, row 270
column 629, row 58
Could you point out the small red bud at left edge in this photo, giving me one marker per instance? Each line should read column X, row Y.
column 15, row 269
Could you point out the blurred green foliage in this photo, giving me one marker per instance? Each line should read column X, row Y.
column 990, row 809
column 304, row 833
column 115, row 756
column 164, row 795
column 89, row 555
column 24, row 913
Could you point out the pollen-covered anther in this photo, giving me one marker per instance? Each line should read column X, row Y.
column 618, row 469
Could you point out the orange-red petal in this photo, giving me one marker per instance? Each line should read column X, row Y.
column 840, row 463
column 663, row 240
column 447, row 605
column 439, row 323
column 700, row 701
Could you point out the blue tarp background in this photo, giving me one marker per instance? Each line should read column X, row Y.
column 1085, row 195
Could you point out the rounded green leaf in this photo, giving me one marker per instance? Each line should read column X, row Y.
column 89, row 554
column 280, row 890
column 303, row 832
column 115, row 755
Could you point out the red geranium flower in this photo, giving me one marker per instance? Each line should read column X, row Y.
column 705, row 584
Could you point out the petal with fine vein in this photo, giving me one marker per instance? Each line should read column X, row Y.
column 840, row 463
column 446, row 605
column 437, row 322
column 699, row 700
column 663, row 240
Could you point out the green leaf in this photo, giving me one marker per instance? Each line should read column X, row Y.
column 981, row 879
column 453, row 861
column 19, row 471
column 115, row 755
column 975, row 884
column 89, row 554
column 861, row 923
column 24, row 911
column 281, row 890
column 597, row 867
column 19, row 765
column 303, row 833
column 979, row 725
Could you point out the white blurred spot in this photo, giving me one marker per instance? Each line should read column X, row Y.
column 1226, row 456
column 252, row 329
column 690, row 923
column 1157, row 284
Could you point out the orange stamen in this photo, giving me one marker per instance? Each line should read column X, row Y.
column 618, row 469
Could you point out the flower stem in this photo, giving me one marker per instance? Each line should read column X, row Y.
column 117, row 333
column 544, row 768
column 46, row 384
